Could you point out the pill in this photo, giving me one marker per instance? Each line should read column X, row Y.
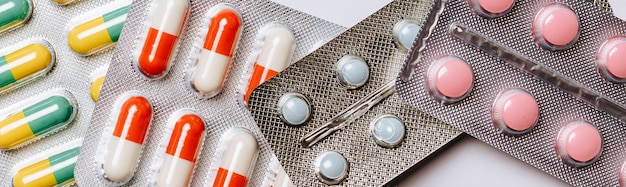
column 622, row 175
column 63, row 2
column 182, row 150
column 56, row 170
column 514, row 112
column 331, row 167
column 237, row 162
column 161, row 40
column 14, row 13
column 388, row 130
column 611, row 59
column 282, row 179
column 97, row 34
column 131, row 126
column 352, row 71
column 556, row 27
column 26, row 64
column 36, row 120
column 94, row 89
column 491, row 8
column 214, row 60
column 405, row 32
column 449, row 79
column 579, row 144
column 278, row 46
column 294, row 108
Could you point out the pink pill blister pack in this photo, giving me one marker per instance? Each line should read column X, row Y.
column 540, row 80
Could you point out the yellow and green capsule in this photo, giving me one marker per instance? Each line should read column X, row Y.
column 63, row 2
column 37, row 120
column 14, row 13
column 57, row 170
column 97, row 34
column 25, row 64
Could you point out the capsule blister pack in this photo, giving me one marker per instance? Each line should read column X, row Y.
column 346, row 88
column 171, row 112
column 44, row 83
column 536, row 79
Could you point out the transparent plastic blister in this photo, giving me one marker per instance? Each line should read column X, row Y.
column 53, row 167
column 171, row 92
column 25, row 62
column 577, row 135
column 96, row 79
column 15, row 14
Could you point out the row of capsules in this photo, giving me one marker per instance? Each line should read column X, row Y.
column 46, row 114
column 133, row 112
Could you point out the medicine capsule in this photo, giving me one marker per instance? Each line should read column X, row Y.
column 14, row 13
column 36, row 120
column 278, row 46
column 26, row 64
column 57, row 170
column 241, row 150
column 131, row 127
column 97, row 34
column 63, row 2
column 215, row 56
column 94, row 89
column 182, row 150
column 162, row 37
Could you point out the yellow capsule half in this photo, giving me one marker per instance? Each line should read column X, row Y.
column 63, row 2
column 25, row 64
column 96, row 85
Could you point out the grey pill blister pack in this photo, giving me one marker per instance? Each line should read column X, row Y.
column 348, row 82
column 144, row 105
column 530, row 86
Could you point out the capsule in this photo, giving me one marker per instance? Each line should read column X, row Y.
column 96, row 82
column 278, row 46
column 131, row 127
column 97, row 34
column 63, row 2
column 237, row 162
column 215, row 56
column 182, row 150
column 56, row 170
column 14, row 13
column 162, row 37
column 25, row 64
column 36, row 120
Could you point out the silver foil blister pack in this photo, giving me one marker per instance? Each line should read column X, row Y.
column 506, row 58
column 323, row 92
column 223, row 114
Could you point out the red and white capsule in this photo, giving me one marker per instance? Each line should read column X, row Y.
column 278, row 46
column 183, row 148
column 157, row 52
column 212, row 65
column 237, row 162
column 134, row 113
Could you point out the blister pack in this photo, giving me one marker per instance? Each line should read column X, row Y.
column 334, row 118
column 44, row 89
column 171, row 112
column 539, row 80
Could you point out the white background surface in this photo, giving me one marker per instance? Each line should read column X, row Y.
column 619, row 8
column 346, row 13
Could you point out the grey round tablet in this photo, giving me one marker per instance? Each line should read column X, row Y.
column 352, row 71
column 331, row 167
column 405, row 32
column 294, row 109
column 388, row 130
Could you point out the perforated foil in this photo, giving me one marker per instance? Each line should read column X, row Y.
column 314, row 76
column 171, row 93
column 556, row 107
column 71, row 72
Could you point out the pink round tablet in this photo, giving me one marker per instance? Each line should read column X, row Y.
column 450, row 79
column 556, row 27
column 611, row 59
column 622, row 175
column 579, row 143
column 515, row 111
column 491, row 8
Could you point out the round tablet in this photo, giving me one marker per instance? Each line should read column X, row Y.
column 515, row 112
column 294, row 109
column 449, row 79
column 611, row 59
column 331, row 167
column 556, row 27
column 579, row 143
column 352, row 71
column 491, row 8
column 405, row 32
column 622, row 175
column 388, row 130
